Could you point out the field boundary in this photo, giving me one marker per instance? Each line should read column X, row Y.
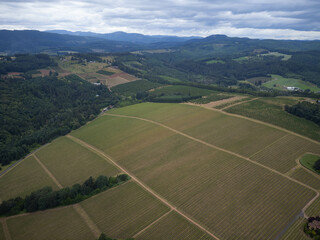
column 5, row 228
column 238, row 103
column 163, row 200
column 154, row 222
column 82, row 213
column 48, row 172
column 260, row 122
column 230, row 152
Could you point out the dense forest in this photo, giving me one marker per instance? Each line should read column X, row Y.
column 36, row 110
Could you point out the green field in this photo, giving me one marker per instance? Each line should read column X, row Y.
column 132, row 88
column 214, row 61
column 56, row 224
column 271, row 111
column 181, row 90
column 71, row 163
column 280, row 83
column 314, row 209
column 28, row 176
column 174, row 226
column 285, row 57
column 124, row 211
column 308, row 161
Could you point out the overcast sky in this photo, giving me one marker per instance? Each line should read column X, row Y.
column 277, row 19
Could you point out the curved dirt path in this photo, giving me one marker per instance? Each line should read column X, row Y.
column 229, row 152
column 163, row 200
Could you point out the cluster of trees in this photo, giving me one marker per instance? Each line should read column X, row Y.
column 104, row 237
column 316, row 165
column 47, row 198
column 305, row 110
column 34, row 111
column 312, row 227
column 25, row 62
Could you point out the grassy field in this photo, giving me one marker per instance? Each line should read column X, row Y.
column 173, row 226
column 304, row 176
column 124, row 211
column 285, row 57
column 272, row 112
column 28, row 176
column 215, row 188
column 71, row 163
column 56, row 224
column 308, row 161
column 280, row 83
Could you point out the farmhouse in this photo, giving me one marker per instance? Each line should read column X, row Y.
column 293, row 88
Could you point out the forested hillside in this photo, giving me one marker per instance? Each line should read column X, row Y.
column 35, row 110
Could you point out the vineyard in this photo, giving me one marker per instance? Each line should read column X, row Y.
column 23, row 179
column 60, row 223
column 124, row 211
column 200, row 169
column 71, row 163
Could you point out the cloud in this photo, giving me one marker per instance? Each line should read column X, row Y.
column 247, row 18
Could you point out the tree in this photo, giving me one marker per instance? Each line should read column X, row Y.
column 316, row 165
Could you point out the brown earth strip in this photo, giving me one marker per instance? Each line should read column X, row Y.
column 5, row 229
column 48, row 172
column 93, row 227
column 151, row 224
column 232, row 105
column 109, row 159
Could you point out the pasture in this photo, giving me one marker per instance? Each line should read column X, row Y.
column 26, row 177
column 280, row 83
column 71, row 163
column 60, row 223
column 123, row 211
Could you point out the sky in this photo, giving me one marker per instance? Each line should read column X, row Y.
column 273, row 19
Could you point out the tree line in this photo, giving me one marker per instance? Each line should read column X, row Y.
column 46, row 198
column 307, row 110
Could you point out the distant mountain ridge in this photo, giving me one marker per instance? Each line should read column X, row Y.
column 128, row 37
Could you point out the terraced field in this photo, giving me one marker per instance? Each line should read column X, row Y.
column 196, row 173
